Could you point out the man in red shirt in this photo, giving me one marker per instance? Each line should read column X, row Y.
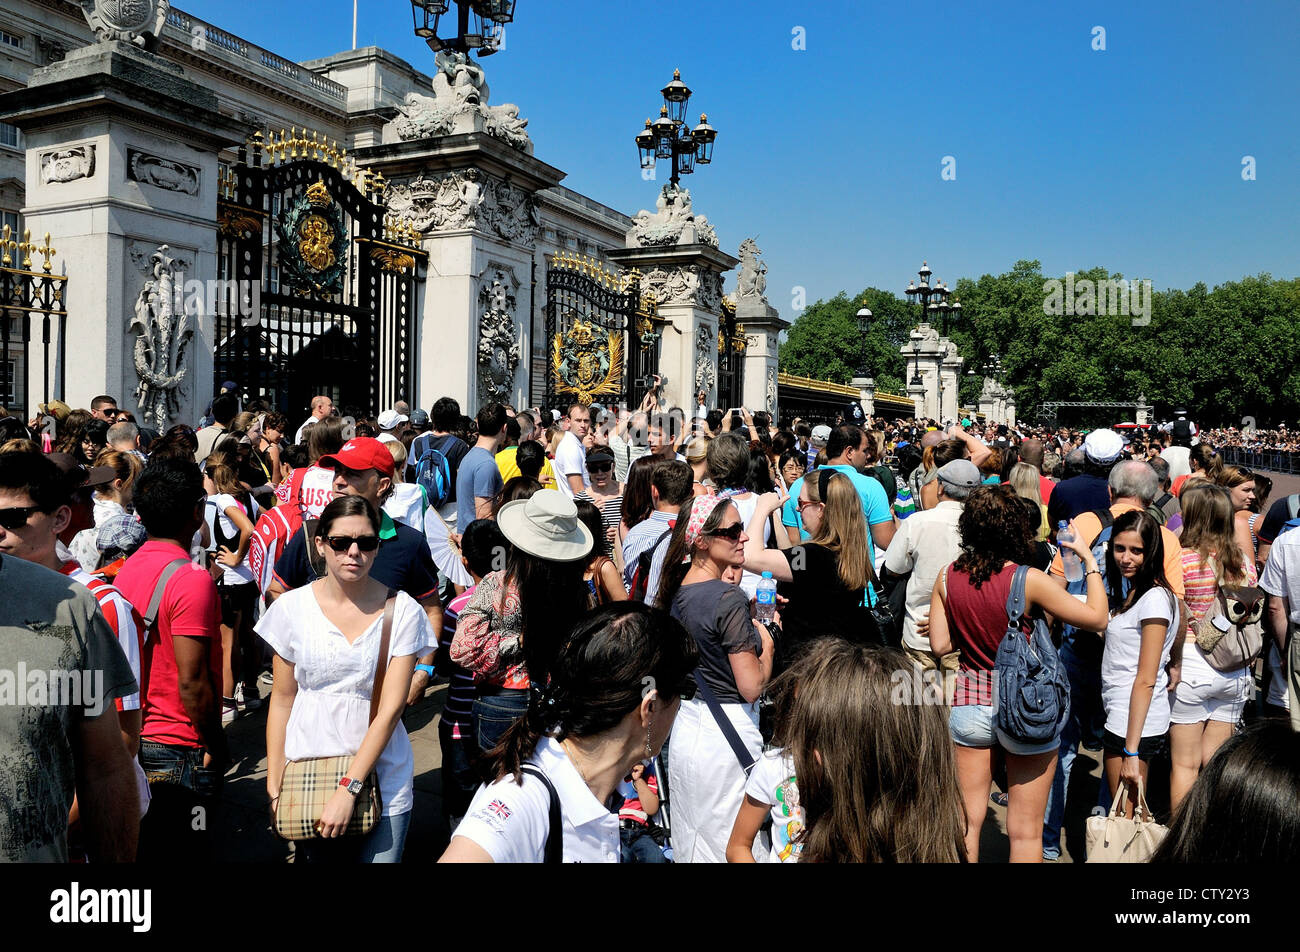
column 182, row 746
column 1031, row 452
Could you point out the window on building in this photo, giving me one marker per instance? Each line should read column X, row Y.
column 10, row 136
column 8, row 380
column 12, row 39
column 13, row 220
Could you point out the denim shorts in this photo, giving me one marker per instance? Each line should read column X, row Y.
column 179, row 765
column 971, row 725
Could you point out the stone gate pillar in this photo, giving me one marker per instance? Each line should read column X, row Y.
column 950, row 377
column 677, row 253
column 462, row 173
column 763, row 325
column 122, row 160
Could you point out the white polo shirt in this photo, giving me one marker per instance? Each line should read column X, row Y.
column 512, row 822
column 570, row 460
column 925, row 544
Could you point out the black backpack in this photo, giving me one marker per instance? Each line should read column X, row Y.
column 641, row 577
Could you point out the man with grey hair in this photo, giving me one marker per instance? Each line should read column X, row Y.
column 925, row 543
column 1132, row 485
column 1166, row 505
column 921, row 476
column 124, row 437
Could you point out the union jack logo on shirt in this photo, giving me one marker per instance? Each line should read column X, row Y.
column 500, row 809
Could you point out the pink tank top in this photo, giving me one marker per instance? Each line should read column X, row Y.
column 978, row 623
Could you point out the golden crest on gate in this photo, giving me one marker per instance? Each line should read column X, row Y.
column 589, row 363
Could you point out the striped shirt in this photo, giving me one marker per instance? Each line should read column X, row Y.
column 1198, row 579
column 611, row 515
column 460, row 692
column 122, row 617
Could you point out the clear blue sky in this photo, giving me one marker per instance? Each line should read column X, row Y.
column 1128, row 158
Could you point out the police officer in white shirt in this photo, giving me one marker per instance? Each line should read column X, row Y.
column 579, row 739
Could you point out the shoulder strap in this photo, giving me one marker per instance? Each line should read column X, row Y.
column 554, row 852
column 1016, row 597
column 724, row 724
column 1163, row 500
column 1106, row 519
column 381, row 664
column 155, row 602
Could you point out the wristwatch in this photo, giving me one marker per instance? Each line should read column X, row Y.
column 351, row 786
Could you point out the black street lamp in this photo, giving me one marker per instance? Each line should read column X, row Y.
column 864, row 318
column 668, row 137
column 934, row 300
column 916, row 363
column 484, row 34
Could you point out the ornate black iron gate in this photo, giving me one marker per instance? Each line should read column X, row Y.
column 731, row 358
column 320, row 285
column 26, row 293
column 602, row 339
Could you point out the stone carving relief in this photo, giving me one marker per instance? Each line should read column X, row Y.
column 50, row 50
column 466, row 199
column 135, row 21
column 751, row 283
column 705, row 347
column 141, row 255
column 692, row 285
column 161, row 173
column 460, row 104
column 161, row 338
column 67, row 165
column 771, row 391
column 498, row 344
column 705, row 376
column 673, row 222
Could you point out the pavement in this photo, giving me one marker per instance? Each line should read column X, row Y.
column 243, row 832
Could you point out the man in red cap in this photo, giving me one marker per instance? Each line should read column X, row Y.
column 364, row 467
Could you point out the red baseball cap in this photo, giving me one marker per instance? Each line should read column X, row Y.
column 361, row 453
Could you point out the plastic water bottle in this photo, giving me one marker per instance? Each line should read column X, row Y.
column 1069, row 560
column 766, row 596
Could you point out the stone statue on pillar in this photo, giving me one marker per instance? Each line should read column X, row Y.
column 139, row 22
column 459, row 104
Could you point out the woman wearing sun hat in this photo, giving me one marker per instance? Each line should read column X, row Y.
column 512, row 628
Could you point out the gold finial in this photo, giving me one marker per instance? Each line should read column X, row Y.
column 380, row 183
column 25, row 248
column 293, row 142
column 677, row 74
column 7, row 245
column 47, row 253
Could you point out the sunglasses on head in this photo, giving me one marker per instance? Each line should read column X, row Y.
column 17, row 516
column 340, row 544
column 732, row 532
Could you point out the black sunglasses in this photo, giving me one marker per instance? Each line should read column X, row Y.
column 366, row 543
column 17, row 516
column 599, row 467
column 732, row 532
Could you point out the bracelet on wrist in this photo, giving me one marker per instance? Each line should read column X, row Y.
column 426, row 668
column 1129, row 753
column 1093, row 571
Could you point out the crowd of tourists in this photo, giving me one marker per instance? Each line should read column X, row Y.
column 665, row 636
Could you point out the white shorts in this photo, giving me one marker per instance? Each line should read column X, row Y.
column 1221, row 698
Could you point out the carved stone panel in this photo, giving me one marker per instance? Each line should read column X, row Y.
column 498, row 340
column 466, row 199
column 161, row 173
column 67, row 165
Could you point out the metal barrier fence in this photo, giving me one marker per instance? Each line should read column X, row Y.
column 1273, row 461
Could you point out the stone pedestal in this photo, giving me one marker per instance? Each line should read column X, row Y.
column 867, row 387
column 122, row 159
column 687, row 281
column 763, row 326
column 473, row 197
column 940, row 366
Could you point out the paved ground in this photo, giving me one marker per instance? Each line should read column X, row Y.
column 244, row 834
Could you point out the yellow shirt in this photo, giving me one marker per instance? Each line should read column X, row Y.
column 510, row 469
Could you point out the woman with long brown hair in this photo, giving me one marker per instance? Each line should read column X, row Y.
column 1205, row 464
column 111, row 502
column 231, row 515
column 968, row 612
column 856, row 776
column 824, row 579
column 1240, row 484
column 1206, row 703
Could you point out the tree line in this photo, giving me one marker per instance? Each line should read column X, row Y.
column 1225, row 354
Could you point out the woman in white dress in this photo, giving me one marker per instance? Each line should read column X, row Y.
column 326, row 637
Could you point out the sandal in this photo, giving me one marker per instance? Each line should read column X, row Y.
column 999, row 798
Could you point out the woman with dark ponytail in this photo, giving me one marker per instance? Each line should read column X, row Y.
column 614, row 691
column 511, row 629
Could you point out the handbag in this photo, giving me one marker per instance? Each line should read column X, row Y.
column 1231, row 632
column 889, row 626
column 308, row 784
column 1117, row 839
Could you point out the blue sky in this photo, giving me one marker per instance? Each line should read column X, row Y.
column 1128, row 158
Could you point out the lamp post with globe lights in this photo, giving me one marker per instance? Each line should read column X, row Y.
column 669, row 138
column 480, row 24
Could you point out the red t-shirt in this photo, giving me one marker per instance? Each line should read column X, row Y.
column 190, row 608
column 978, row 622
column 1045, row 487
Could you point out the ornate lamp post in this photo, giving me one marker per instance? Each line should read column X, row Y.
column 864, row 318
column 916, row 363
column 935, row 307
column 668, row 137
column 483, row 34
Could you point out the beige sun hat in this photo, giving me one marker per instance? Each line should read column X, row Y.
column 546, row 525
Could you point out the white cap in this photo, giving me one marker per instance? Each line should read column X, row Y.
column 391, row 418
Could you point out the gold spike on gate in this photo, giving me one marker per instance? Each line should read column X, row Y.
column 7, row 245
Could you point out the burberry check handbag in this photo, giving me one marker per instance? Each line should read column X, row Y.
column 308, row 784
